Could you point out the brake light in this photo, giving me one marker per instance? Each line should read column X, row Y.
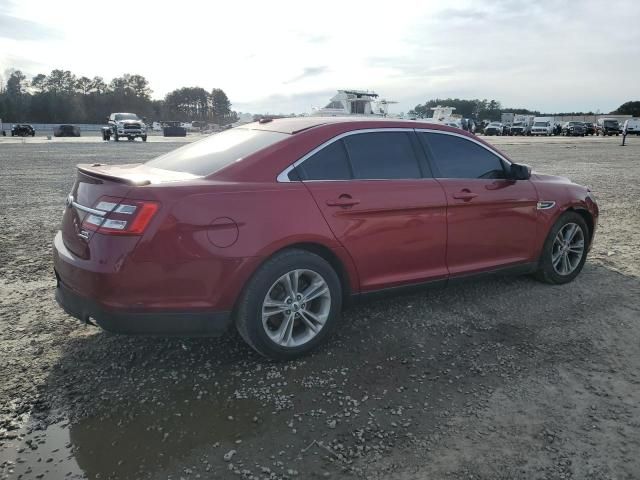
column 117, row 216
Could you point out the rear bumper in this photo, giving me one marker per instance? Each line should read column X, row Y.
column 145, row 323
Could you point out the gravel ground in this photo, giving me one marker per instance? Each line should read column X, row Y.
column 496, row 378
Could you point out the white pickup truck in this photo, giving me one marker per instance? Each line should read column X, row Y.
column 127, row 125
column 542, row 126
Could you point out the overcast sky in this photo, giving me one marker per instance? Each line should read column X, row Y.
column 288, row 56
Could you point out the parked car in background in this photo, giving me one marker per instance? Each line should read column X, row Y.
column 607, row 126
column 573, row 129
column 542, row 126
column 66, row 131
column 173, row 129
column 590, row 128
column 522, row 125
column 494, row 128
column 632, row 125
column 22, row 130
column 273, row 225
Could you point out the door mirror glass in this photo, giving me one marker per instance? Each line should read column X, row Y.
column 520, row 171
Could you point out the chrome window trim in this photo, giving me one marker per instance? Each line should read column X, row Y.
column 283, row 177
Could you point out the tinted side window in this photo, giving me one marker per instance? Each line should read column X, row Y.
column 382, row 155
column 330, row 163
column 457, row 157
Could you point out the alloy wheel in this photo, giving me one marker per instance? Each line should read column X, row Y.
column 296, row 308
column 568, row 249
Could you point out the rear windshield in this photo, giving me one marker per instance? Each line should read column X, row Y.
column 216, row 151
column 610, row 122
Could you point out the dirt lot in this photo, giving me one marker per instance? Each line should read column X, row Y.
column 502, row 378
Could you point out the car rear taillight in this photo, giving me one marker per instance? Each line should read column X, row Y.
column 117, row 216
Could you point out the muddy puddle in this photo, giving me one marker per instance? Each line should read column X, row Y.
column 136, row 444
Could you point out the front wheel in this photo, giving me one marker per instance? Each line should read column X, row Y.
column 565, row 250
column 116, row 137
column 144, row 138
column 290, row 306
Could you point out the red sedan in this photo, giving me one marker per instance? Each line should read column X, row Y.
column 272, row 227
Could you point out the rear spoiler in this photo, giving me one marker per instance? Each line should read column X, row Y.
column 127, row 177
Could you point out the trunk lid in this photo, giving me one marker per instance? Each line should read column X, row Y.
column 99, row 182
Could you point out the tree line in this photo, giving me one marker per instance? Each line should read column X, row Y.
column 63, row 97
column 492, row 109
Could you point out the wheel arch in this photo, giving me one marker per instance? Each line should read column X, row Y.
column 587, row 216
column 332, row 258
column 341, row 265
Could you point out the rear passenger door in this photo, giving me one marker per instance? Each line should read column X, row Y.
column 378, row 196
column 491, row 220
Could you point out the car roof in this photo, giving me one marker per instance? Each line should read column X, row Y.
column 295, row 125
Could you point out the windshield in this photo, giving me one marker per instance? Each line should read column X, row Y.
column 126, row 116
column 611, row 123
column 494, row 124
column 575, row 123
column 216, row 151
column 541, row 124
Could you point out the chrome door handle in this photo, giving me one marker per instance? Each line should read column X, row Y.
column 464, row 195
column 343, row 202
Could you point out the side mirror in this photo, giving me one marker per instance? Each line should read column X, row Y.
column 520, row 171
column 144, row 119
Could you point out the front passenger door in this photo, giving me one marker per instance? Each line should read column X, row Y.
column 491, row 220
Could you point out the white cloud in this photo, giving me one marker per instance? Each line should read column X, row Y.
column 289, row 55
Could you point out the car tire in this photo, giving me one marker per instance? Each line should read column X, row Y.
column 116, row 137
column 558, row 272
column 258, row 328
column 144, row 138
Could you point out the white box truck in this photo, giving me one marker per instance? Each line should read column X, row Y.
column 507, row 119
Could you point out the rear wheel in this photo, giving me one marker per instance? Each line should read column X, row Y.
column 116, row 137
column 565, row 250
column 290, row 305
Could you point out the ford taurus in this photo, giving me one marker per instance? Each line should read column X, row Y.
column 275, row 225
